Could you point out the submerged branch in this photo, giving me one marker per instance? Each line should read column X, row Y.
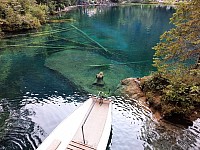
column 90, row 38
column 68, row 40
column 42, row 46
column 58, row 31
column 40, row 33
column 105, row 65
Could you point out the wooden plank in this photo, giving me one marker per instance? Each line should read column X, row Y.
column 78, row 146
column 68, row 148
column 72, row 147
column 82, row 144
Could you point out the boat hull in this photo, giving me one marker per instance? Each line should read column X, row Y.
column 89, row 125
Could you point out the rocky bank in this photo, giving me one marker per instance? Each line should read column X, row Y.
column 132, row 88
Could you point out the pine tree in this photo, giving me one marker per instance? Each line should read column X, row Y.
column 180, row 45
column 177, row 57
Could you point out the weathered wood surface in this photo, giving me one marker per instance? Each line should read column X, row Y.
column 97, row 126
column 94, row 125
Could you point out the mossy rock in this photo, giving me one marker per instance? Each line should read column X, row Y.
column 81, row 68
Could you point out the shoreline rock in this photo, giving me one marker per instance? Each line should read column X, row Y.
column 132, row 88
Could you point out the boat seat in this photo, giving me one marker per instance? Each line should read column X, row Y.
column 54, row 145
column 74, row 145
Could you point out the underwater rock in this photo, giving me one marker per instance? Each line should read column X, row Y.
column 131, row 87
column 80, row 67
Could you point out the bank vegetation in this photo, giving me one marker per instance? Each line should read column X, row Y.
column 174, row 90
column 17, row 15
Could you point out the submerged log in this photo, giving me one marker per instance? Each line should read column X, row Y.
column 90, row 38
column 107, row 65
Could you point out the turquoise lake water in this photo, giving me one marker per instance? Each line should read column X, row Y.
column 46, row 74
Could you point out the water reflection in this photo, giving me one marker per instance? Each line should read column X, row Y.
column 139, row 131
column 132, row 126
column 128, row 118
column 29, row 125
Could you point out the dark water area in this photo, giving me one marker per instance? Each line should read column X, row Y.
column 34, row 99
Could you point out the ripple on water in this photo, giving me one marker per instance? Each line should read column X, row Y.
column 132, row 126
column 127, row 124
column 19, row 133
column 30, row 124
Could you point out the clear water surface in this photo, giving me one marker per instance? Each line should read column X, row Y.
column 37, row 89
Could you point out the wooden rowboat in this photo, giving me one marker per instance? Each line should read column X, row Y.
column 87, row 128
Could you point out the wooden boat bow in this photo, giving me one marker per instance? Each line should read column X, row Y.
column 88, row 128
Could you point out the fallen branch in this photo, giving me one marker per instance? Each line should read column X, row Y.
column 90, row 38
column 87, row 45
column 42, row 46
column 40, row 33
column 107, row 65
column 47, row 33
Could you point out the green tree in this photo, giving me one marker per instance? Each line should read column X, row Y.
column 177, row 57
column 21, row 14
column 181, row 45
column 56, row 5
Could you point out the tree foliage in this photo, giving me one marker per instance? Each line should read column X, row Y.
column 177, row 58
column 181, row 45
column 21, row 14
column 56, row 5
column 18, row 15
